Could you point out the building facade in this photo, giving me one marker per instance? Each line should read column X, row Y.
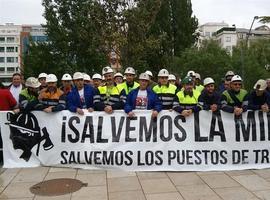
column 10, row 54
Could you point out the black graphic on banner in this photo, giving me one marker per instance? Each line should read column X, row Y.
column 25, row 133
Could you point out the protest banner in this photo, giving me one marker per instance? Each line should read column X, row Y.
column 202, row 142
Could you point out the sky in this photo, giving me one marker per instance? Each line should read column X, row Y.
column 238, row 12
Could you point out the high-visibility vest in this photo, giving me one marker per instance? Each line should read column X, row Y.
column 109, row 95
column 188, row 101
column 240, row 96
column 126, row 88
column 26, row 94
column 166, row 94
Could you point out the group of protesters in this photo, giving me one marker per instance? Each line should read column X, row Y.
column 111, row 91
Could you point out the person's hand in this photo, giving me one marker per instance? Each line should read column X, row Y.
column 238, row 111
column 131, row 114
column 90, row 109
column 108, row 109
column 186, row 113
column 213, row 107
column 80, row 111
column 48, row 110
column 265, row 108
column 154, row 114
column 17, row 110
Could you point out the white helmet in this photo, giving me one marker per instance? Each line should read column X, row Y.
column 86, row 77
column 77, row 75
column 163, row 73
column 236, row 78
column 149, row 73
column 208, row 81
column 42, row 75
column 51, row 78
column 191, row 73
column 172, row 77
column 260, row 85
column 32, row 82
column 97, row 76
column 144, row 76
column 118, row 74
column 130, row 70
column 107, row 70
column 66, row 77
column 229, row 73
column 197, row 76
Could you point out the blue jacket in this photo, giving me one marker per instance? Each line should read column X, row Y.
column 153, row 101
column 73, row 98
column 255, row 102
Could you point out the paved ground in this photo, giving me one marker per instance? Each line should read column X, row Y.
column 116, row 185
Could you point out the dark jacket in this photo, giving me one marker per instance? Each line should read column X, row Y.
column 153, row 101
column 73, row 98
column 206, row 100
column 255, row 102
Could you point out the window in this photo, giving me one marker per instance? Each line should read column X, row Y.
column 16, row 59
column 10, row 49
column 2, row 39
column 10, row 60
column 2, row 59
column 16, row 49
column 10, row 69
column 2, row 69
column 10, row 39
column 2, row 49
column 207, row 34
column 228, row 39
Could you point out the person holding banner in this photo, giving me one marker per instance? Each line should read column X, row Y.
column 235, row 100
column 109, row 97
column 259, row 99
column 28, row 98
column 186, row 100
column 52, row 99
column 130, row 83
column 209, row 98
column 143, row 98
column 97, row 80
column 81, row 96
column 165, row 90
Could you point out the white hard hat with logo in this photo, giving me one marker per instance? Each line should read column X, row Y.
column 172, row 77
column 197, row 76
column 208, row 81
column 236, row 78
column 77, row 75
column 191, row 73
column 260, row 85
column 130, row 70
column 97, row 76
column 86, row 77
column 229, row 73
column 118, row 74
column 144, row 76
column 32, row 82
column 163, row 73
column 51, row 78
column 149, row 73
column 107, row 70
column 42, row 75
column 66, row 77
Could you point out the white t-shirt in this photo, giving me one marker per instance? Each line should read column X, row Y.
column 81, row 94
column 141, row 100
column 15, row 91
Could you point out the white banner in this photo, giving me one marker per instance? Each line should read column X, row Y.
column 204, row 141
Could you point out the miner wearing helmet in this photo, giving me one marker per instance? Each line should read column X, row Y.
column 109, row 97
column 130, row 83
column 81, row 96
column 52, row 98
column 209, row 98
column 143, row 98
column 165, row 90
column 118, row 78
column 97, row 80
column 186, row 100
column 66, row 83
column 235, row 100
column 28, row 98
column 42, row 79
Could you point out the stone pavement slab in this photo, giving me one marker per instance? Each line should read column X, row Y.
column 119, row 185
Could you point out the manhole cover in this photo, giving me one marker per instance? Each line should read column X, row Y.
column 57, row 187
